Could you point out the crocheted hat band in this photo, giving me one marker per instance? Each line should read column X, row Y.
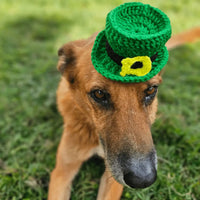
column 117, row 58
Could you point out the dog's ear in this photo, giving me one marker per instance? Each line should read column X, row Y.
column 161, row 72
column 67, row 61
column 68, row 57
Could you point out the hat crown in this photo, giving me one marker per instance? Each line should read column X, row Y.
column 134, row 33
column 134, row 29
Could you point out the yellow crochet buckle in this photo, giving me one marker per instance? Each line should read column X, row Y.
column 138, row 66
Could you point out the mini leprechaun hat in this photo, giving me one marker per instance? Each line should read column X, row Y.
column 131, row 48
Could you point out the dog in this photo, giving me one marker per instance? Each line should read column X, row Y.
column 108, row 118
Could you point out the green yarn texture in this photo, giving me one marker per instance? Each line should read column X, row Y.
column 132, row 29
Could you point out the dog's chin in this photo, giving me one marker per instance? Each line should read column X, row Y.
column 116, row 172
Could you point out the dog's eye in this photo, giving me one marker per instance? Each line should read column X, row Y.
column 150, row 93
column 100, row 96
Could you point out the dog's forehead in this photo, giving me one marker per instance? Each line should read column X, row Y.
column 94, row 79
column 156, row 80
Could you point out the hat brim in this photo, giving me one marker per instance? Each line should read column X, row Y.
column 111, row 70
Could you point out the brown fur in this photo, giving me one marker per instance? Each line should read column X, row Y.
column 123, row 127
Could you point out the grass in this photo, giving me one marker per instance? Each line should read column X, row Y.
column 30, row 125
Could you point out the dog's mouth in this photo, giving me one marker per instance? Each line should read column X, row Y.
column 134, row 172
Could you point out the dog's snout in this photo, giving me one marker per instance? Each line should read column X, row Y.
column 140, row 172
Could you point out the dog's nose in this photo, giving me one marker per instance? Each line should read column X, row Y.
column 140, row 173
column 140, row 178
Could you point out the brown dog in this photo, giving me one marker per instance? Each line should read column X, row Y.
column 108, row 118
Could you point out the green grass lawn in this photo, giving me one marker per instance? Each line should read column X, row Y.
column 31, row 127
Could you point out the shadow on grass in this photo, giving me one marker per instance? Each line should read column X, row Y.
column 37, row 28
column 28, row 57
column 27, row 38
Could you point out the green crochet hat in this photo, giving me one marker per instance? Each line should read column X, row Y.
column 132, row 46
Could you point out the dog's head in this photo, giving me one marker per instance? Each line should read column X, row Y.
column 122, row 114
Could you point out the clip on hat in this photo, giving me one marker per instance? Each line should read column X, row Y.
column 132, row 46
